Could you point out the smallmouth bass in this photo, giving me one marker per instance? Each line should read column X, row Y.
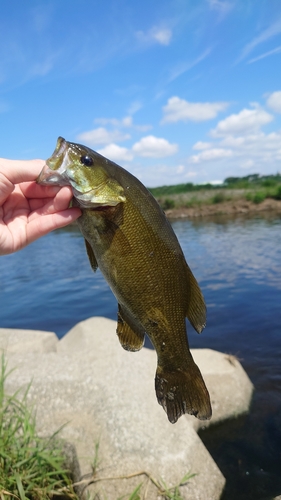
column 128, row 236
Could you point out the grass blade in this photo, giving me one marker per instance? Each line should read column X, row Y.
column 20, row 487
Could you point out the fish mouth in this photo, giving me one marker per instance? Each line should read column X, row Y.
column 54, row 172
column 49, row 177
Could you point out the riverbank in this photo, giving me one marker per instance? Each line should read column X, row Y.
column 232, row 207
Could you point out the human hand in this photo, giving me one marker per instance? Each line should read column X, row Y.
column 28, row 210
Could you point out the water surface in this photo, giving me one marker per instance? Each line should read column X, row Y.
column 50, row 286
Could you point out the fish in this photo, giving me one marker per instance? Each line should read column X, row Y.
column 129, row 238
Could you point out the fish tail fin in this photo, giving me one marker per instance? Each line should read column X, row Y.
column 183, row 391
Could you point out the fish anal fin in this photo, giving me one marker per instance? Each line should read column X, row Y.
column 196, row 307
column 180, row 392
column 131, row 339
column 91, row 255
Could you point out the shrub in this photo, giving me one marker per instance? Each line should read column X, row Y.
column 218, row 198
column 270, row 182
column 192, row 202
column 277, row 196
column 249, row 197
column 167, row 204
column 259, row 196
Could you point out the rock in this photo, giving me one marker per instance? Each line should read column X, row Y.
column 105, row 394
column 229, row 386
column 13, row 341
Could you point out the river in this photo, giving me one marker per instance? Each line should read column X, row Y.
column 237, row 261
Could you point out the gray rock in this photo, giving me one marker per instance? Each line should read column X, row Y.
column 105, row 394
column 229, row 386
column 13, row 341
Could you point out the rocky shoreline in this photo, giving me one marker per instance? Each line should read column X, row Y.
column 97, row 392
column 231, row 208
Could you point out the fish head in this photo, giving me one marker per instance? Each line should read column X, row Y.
column 85, row 171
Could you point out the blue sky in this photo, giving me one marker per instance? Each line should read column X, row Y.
column 173, row 90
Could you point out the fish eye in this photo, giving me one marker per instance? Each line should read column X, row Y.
column 87, row 160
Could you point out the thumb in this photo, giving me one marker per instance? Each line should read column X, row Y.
column 15, row 171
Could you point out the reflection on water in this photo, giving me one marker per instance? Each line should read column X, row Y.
column 50, row 286
column 237, row 263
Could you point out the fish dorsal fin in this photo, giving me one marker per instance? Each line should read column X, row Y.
column 91, row 255
column 130, row 339
column 196, row 307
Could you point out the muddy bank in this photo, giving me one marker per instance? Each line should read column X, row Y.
column 232, row 207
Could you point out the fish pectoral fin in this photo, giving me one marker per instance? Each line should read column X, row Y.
column 110, row 229
column 181, row 392
column 130, row 339
column 91, row 255
column 196, row 307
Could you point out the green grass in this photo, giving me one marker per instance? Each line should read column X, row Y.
column 30, row 467
column 173, row 493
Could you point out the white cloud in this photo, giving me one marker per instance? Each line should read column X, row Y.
column 190, row 174
column 255, row 143
column 180, row 169
column 127, row 121
column 101, row 135
column 222, row 6
column 226, row 156
column 181, row 68
column 245, row 122
column 41, row 17
column 247, row 164
column 156, row 34
column 201, row 145
column 162, row 36
column 124, row 122
column 42, row 68
column 273, row 30
column 274, row 101
column 266, row 54
column 154, row 147
column 240, row 143
column 116, row 153
column 178, row 109
column 211, row 154
column 134, row 107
